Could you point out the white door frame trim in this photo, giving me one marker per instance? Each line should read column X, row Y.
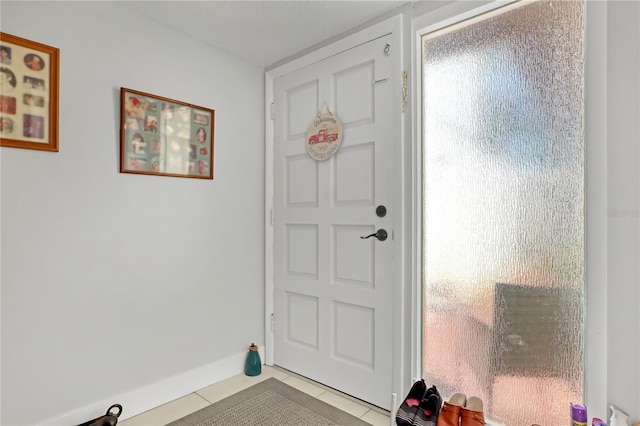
column 407, row 303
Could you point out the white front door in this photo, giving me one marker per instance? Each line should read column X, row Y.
column 333, row 295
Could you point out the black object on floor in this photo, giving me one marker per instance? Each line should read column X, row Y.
column 109, row 419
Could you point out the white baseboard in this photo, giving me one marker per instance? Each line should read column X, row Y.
column 145, row 398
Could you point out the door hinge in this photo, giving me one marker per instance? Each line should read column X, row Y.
column 273, row 322
column 405, row 77
column 273, row 110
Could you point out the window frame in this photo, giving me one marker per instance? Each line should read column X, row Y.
column 595, row 371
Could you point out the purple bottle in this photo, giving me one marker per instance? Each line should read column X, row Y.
column 578, row 415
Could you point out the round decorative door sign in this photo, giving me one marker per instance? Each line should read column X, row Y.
column 324, row 136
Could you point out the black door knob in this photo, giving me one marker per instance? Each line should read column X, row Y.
column 380, row 234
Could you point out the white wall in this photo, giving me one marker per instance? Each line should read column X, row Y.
column 623, row 206
column 112, row 282
column 613, row 195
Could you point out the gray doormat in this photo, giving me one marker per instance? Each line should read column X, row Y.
column 269, row 403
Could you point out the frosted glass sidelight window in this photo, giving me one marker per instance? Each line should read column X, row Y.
column 503, row 213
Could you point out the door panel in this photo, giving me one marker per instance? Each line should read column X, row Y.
column 302, row 181
column 332, row 289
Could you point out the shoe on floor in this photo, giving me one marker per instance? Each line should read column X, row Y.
column 472, row 414
column 429, row 408
column 407, row 411
column 450, row 411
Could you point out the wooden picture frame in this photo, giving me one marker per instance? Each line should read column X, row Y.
column 165, row 137
column 29, row 93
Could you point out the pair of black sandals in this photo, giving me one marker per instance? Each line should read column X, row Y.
column 421, row 406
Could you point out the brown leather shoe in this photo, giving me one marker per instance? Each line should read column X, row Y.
column 450, row 411
column 472, row 414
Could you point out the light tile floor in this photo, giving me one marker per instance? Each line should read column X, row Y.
column 195, row 401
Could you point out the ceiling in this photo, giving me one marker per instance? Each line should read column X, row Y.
column 263, row 32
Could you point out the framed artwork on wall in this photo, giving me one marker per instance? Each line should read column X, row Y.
column 29, row 92
column 165, row 137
